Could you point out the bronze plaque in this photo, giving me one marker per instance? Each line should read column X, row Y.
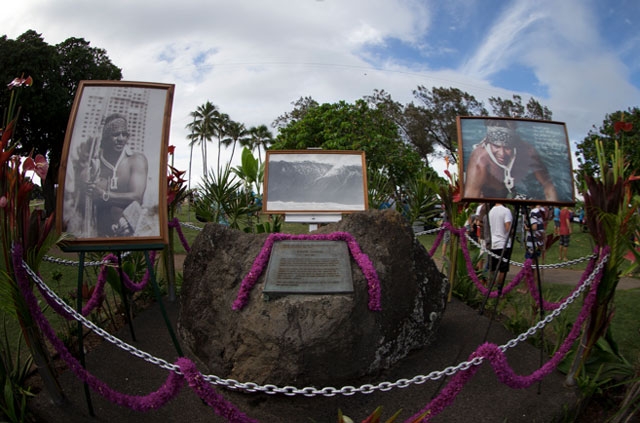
column 309, row 267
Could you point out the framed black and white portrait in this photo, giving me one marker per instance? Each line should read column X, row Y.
column 515, row 160
column 315, row 181
column 113, row 174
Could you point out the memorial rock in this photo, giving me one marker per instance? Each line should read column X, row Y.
column 310, row 339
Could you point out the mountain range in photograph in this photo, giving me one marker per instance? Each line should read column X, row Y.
column 313, row 182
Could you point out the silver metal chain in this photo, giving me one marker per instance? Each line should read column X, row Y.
column 512, row 262
column 65, row 262
column 191, row 226
column 97, row 330
column 310, row 391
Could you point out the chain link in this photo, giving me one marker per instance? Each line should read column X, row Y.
column 512, row 262
column 191, row 226
column 310, row 391
column 97, row 330
column 65, row 262
column 519, row 264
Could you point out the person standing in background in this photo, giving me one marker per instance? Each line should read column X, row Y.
column 500, row 218
column 565, row 232
column 534, row 233
column 556, row 220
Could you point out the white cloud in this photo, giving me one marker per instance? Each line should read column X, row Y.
column 253, row 58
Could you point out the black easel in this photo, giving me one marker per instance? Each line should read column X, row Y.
column 494, row 275
column 539, row 286
column 511, row 239
column 82, row 249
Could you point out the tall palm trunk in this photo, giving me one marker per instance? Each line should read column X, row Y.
column 219, row 151
column 189, row 183
column 203, row 146
column 233, row 150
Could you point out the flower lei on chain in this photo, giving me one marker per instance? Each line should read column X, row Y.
column 261, row 261
column 500, row 365
column 175, row 223
column 491, row 352
column 525, row 274
column 151, row 401
column 97, row 296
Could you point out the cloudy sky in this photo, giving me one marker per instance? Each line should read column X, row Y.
column 253, row 58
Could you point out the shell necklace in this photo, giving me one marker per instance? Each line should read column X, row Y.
column 113, row 180
column 508, row 179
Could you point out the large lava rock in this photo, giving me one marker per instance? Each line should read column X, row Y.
column 309, row 339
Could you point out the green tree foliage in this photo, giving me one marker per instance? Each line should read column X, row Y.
column 436, row 113
column 629, row 140
column 346, row 126
column 203, row 127
column 56, row 71
column 514, row 108
column 430, row 123
column 300, row 108
column 259, row 138
column 234, row 133
column 409, row 119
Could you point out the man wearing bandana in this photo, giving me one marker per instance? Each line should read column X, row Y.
column 119, row 181
column 501, row 162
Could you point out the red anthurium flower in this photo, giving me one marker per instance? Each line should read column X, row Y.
column 172, row 149
column 19, row 82
column 39, row 166
column 42, row 167
column 622, row 126
column 29, row 164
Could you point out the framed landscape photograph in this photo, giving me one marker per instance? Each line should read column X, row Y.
column 515, row 160
column 112, row 185
column 315, row 181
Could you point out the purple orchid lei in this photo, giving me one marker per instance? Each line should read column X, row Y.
column 98, row 293
column 175, row 223
column 525, row 274
column 494, row 354
column 491, row 352
column 151, row 401
column 261, row 261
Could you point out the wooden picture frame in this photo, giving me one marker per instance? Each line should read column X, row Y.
column 315, row 181
column 514, row 160
column 112, row 184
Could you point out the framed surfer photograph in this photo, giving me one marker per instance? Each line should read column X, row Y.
column 515, row 160
column 112, row 185
column 315, row 181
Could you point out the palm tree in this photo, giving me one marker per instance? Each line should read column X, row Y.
column 259, row 137
column 235, row 132
column 203, row 128
column 192, row 141
column 221, row 122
